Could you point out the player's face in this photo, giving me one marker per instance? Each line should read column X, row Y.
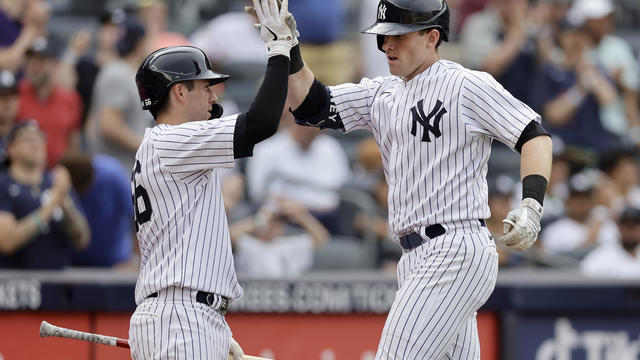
column 201, row 99
column 408, row 55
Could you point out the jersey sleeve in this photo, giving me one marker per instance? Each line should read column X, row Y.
column 352, row 102
column 196, row 146
column 488, row 109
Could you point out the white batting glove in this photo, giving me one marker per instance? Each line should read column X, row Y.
column 235, row 350
column 293, row 26
column 275, row 31
column 522, row 225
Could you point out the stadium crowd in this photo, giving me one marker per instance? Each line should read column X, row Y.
column 71, row 121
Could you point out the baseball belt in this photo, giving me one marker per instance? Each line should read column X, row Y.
column 218, row 302
column 413, row 240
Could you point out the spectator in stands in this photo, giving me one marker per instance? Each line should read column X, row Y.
column 55, row 108
column 557, row 190
column 262, row 248
column 21, row 23
column 104, row 190
column 231, row 38
column 616, row 56
column 620, row 259
column 569, row 96
column 499, row 40
column 583, row 225
column 321, row 24
column 40, row 224
column 87, row 66
column 154, row 15
column 367, row 168
column 301, row 164
column 117, row 121
column 8, row 105
column 620, row 184
column 233, row 194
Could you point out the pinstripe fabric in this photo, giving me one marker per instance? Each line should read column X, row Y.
column 184, row 241
column 436, row 167
column 442, row 283
column 174, row 326
column 443, row 180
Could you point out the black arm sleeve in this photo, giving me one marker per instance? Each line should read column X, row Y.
column 532, row 130
column 317, row 109
column 263, row 117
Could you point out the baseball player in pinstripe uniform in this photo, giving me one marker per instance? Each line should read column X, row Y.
column 434, row 122
column 187, row 275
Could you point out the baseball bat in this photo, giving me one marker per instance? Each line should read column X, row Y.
column 47, row 329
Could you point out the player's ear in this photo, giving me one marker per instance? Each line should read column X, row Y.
column 432, row 37
column 179, row 92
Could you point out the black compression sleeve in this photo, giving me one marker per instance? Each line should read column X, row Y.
column 532, row 130
column 296, row 60
column 263, row 117
column 315, row 101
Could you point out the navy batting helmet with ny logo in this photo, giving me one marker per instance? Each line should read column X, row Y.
column 399, row 17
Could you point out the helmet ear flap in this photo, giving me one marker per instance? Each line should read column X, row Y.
column 380, row 39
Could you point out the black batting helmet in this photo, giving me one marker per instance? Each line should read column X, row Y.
column 167, row 66
column 399, row 17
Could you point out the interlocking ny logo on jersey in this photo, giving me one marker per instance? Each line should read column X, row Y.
column 382, row 12
column 419, row 117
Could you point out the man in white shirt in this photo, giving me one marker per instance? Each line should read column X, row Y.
column 620, row 259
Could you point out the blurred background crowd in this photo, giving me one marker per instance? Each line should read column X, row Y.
column 71, row 121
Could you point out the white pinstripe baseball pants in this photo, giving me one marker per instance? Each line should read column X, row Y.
column 442, row 283
column 175, row 326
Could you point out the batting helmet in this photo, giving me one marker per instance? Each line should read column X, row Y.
column 167, row 66
column 399, row 17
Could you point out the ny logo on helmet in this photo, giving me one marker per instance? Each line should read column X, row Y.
column 382, row 12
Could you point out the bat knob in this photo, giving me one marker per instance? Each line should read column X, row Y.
column 43, row 329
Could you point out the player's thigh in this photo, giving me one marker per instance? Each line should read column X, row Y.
column 178, row 331
column 439, row 293
column 466, row 344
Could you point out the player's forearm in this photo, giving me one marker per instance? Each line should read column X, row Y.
column 535, row 158
column 299, row 85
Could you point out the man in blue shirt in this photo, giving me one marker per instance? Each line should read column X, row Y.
column 103, row 187
column 40, row 223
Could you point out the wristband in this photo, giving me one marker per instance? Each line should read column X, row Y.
column 296, row 64
column 35, row 217
column 534, row 186
column 278, row 47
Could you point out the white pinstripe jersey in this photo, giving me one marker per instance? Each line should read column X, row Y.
column 434, row 132
column 181, row 223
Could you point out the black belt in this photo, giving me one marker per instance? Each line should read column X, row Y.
column 207, row 299
column 413, row 240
